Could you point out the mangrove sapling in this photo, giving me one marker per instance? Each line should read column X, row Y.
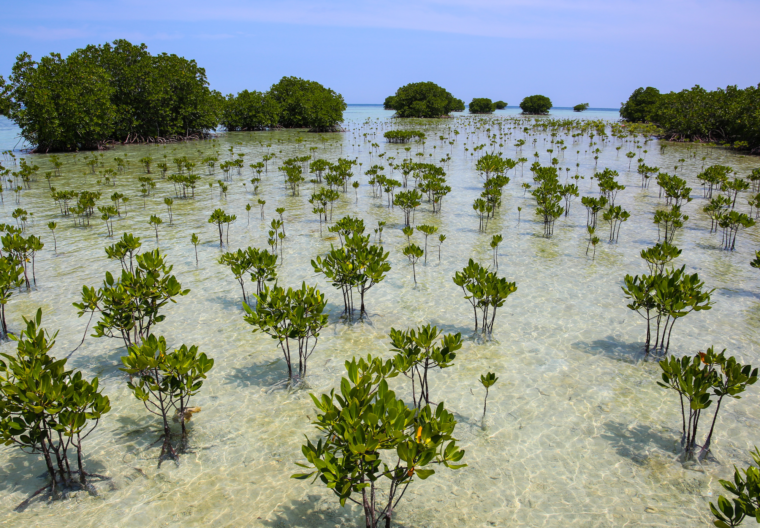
column 23, row 250
column 240, row 263
column 379, row 230
column 408, row 232
column 487, row 380
column 660, row 255
column 355, row 185
column 165, row 382
column 107, row 213
column 169, row 202
column 52, row 226
column 413, row 252
column 755, row 263
column 357, row 265
column 669, row 221
column 219, row 218
column 11, row 278
column 615, row 216
column 484, row 211
column 485, row 291
column 665, row 298
column 593, row 240
column 419, row 351
column 731, row 222
column 194, row 240
column 715, row 209
column 568, row 192
column 264, row 267
column 408, row 201
column 369, row 436
column 697, row 380
column 746, row 490
column 495, row 241
column 155, row 221
column 262, row 203
column 248, row 214
column 426, row 230
column 294, row 318
column 441, row 239
column 130, row 306
column 593, row 206
column 124, row 250
column 47, row 408
column 280, row 211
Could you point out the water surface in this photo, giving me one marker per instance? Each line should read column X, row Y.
column 577, row 433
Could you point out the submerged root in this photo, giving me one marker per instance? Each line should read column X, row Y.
column 60, row 490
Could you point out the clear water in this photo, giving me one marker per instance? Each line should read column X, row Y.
column 577, row 433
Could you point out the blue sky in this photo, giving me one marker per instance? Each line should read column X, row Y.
column 595, row 51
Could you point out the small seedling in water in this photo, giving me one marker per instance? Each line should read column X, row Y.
column 413, row 252
column 495, row 241
column 155, row 221
column 169, row 202
column 427, row 231
column 194, row 240
column 441, row 238
column 379, row 230
column 487, row 380
column 408, row 231
column 262, row 203
column 280, row 211
column 52, row 226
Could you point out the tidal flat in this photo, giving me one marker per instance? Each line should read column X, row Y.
column 577, row 433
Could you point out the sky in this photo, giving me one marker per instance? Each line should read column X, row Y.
column 573, row 51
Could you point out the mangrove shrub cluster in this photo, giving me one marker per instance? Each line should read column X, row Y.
column 727, row 115
column 113, row 92
column 423, row 99
column 291, row 103
column 536, row 104
column 481, row 105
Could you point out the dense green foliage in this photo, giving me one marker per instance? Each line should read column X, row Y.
column 500, row 105
column 423, row 99
column 403, row 136
column 369, row 436
column 129, row 305
column 481, row 105
column 5, row 103
column 730, row 115
column 580, row 107
column 46, row 408
column 485, row 292
column 536, row 104
column 698, row 380
column 165, row 381
column 293, row 317
column 114, row 92
column 356, row 265
column 307, row 104
column 61, row 104
column 250, row 111
column 640, row 105
column 745, row 503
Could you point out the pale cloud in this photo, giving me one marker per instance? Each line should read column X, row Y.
column 675, row 21
column 45, row 33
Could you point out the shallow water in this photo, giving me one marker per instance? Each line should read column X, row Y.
column 577, row 432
